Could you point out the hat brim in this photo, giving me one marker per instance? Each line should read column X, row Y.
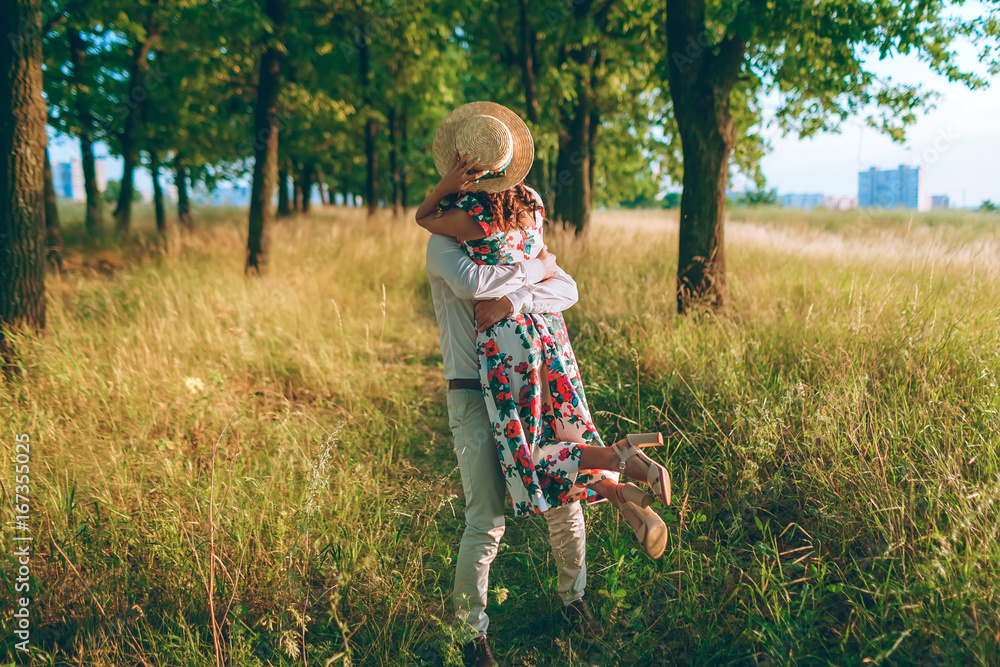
column 524, row 147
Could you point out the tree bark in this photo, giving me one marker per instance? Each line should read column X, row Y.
column 183, row 198
column 593, row 124
column 537, row 176
column 158, row 206
column 129, row 136
column 22, row 172
column 345, row 183
column 53, row 232
column 324, row 193
column 93, row 220
column 265, row 165
column 397, row 195
column 572, row 187
column 700, row 85
column 284, row 210
column 404, row 172
column 371, row 191
column 306, row 180
column 296, row 188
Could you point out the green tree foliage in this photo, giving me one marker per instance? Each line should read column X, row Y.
column 623, row 97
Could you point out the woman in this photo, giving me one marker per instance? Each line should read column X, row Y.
column 550, row 451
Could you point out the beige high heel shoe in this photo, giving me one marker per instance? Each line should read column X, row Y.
column 657, row 477
column 652, row 533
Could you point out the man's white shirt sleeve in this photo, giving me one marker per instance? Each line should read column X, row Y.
column 469, row 280
column 554, row 295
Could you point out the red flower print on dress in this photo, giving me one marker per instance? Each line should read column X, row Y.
column 537, row 435
column 564, row 387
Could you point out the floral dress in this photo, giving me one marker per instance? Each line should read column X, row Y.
column 531, row 382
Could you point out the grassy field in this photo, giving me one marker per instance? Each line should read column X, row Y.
column 274, row 453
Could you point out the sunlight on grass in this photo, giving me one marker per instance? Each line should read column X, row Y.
column 833, row 435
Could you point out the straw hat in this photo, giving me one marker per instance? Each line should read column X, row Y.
column 494, row 134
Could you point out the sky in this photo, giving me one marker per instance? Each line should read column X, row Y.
column 957, row 143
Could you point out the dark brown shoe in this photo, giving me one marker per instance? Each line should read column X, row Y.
column 580, row 615
column 477, row 653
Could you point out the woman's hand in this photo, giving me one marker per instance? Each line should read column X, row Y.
column 492, row 311
column 458, row 179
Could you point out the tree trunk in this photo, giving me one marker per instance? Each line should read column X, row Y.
column 700, row 86
column 371, row 192
column 22, row 171
column 284, row 210
column 129, row 136
column 94, row 217
column 53, row 232
column 307, row 187
column 324, row 193
column 701, row 259
column 161, row 213
column 183, row 199
column 593, row 125
column 537, row 176
column 265, row 165
column 397, row 195
column 296, row 188
column 404, row 172
column 572, row 188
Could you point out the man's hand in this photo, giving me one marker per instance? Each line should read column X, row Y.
column 492, row 311
column 549, row 261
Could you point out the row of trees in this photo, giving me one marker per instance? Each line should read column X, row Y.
column 617, row 93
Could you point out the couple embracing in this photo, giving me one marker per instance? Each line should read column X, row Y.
column 516, row 406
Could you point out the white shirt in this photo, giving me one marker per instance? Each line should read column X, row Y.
column 456, row 281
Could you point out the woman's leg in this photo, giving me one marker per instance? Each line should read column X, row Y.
column 606, row 458
column 609, row 490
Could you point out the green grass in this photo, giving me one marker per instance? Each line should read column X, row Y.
column 833, row 436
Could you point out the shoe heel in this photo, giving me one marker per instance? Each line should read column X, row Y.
column 636, row 496
column 643, row 440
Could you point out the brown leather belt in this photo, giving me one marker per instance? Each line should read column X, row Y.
column 464, row 384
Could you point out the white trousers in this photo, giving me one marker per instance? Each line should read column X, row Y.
column 485, row 500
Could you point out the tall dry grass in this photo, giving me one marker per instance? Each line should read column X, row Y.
column 259, row 471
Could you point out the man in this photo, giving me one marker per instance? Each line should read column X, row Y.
column 535, row 286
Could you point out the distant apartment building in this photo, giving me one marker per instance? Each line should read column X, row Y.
column 803, row 200
column 940, row 201
column 892, row 188
column 67, row 179
column 807, row 201
column 841, row 203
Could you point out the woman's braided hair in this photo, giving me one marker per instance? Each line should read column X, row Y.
column 511, row 208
